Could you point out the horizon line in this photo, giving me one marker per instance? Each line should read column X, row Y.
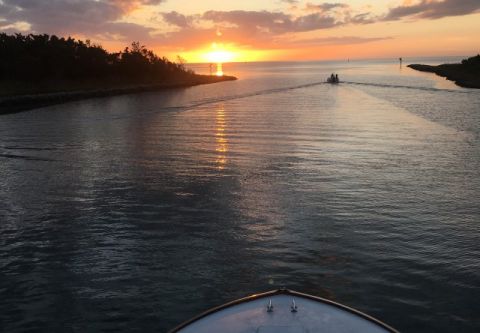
column 331, row 60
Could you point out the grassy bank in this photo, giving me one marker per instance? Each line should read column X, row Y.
column 465, row 74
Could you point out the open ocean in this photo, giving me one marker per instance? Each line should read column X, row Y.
column 134, row 213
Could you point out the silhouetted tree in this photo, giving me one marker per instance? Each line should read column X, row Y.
column 473, row 62
column 44, row 57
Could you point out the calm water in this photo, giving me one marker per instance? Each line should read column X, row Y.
column 134, row 213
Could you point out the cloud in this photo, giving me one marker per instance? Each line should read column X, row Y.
column 196, row 39
column 346, row 40
column 104, row 20
column 290, row 2
column 177, row 19
column 265, row 22
column 258, row 29
column 362, row 18
column 429, row 9
column 10, row 28
column 343, row 13
column 324, row 7
column 88, row 17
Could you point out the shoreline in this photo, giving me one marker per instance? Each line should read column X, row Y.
column 452, row 72
column 24, row 102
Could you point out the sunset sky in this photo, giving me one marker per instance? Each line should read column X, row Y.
column 251, row 30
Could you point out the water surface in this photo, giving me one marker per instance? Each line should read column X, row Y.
column 136, row 212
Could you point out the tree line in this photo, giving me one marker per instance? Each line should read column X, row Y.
column 472, row 63
column 35, row 58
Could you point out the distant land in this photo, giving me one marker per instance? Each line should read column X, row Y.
column 39, row 70
column 466, row 74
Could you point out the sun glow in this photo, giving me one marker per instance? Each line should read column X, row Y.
column 239, row 55
column 219, row 56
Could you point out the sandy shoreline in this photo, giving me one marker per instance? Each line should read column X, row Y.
column 19, row 103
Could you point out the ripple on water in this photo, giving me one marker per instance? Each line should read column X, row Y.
column 165, row 204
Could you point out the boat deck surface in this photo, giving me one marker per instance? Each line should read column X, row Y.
column 250, row 315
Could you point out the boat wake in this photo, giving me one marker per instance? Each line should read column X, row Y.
column 28, row 148
column 380, row 85
column 27, row 158
column 215, row 100
column 246, row 95
column 307, row 85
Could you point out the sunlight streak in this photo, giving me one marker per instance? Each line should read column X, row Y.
column 221, row 138
column 219, row 69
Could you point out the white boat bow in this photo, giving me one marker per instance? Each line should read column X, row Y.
column 283, row 311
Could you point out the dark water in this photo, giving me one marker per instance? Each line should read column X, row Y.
column 134, row 213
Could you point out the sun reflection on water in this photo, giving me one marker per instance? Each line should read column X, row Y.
column 219, row 69
column 221, row 138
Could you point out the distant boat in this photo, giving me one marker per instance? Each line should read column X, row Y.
column 282, row 311
column 333, row 79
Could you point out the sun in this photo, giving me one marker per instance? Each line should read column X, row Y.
column 219, row 56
